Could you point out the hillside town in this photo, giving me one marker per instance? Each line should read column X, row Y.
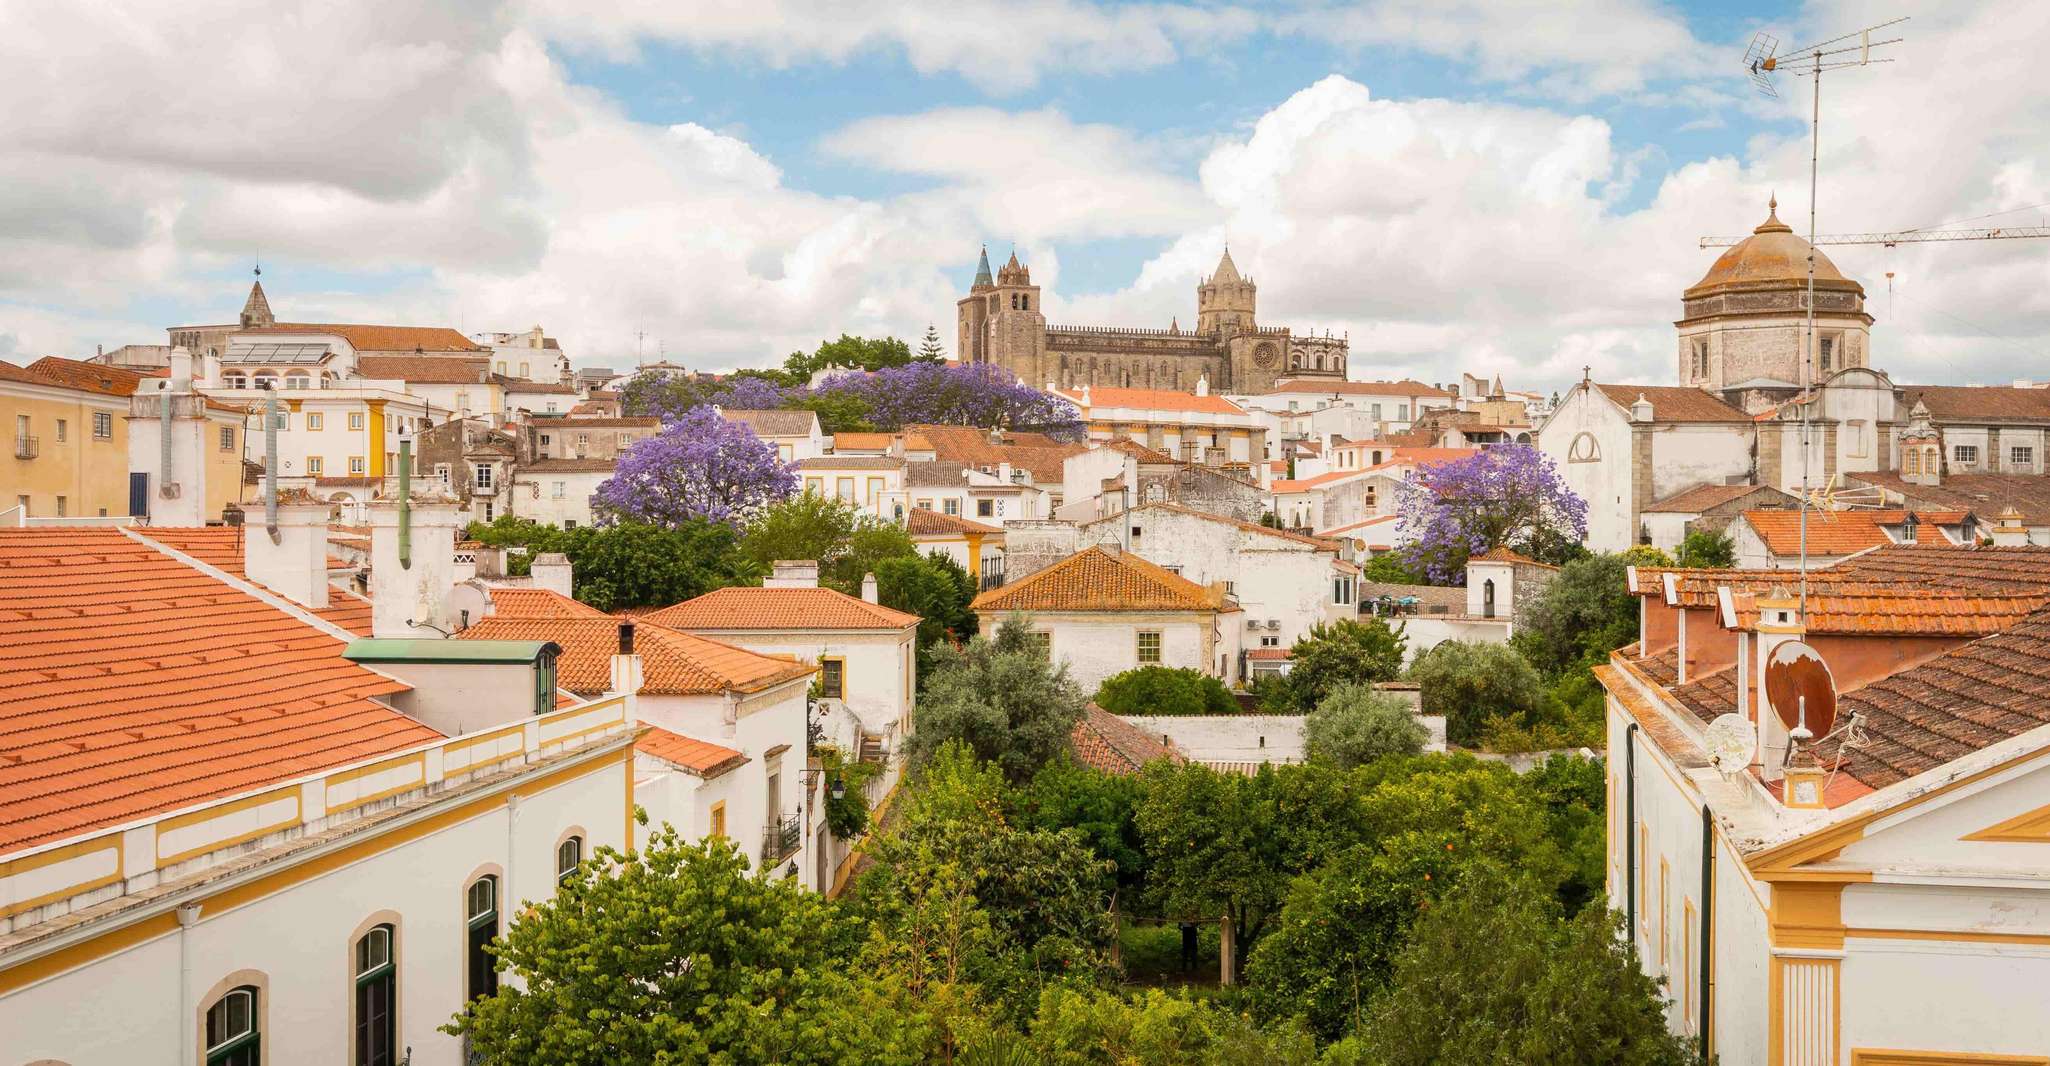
column 1264, row 686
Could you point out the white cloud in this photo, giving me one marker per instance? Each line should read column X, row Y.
column 1000, row 45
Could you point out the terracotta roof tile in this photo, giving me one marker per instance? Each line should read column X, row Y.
column 425, row 369
column 529, row 602
column 862, row 440
column 672, row 663
column 773, row 423
column 1103, row 741
column 924, row 521
column 1141, row 452
column 1985, row 494
column 1836, row 532
column 1700, row 498
column 1035, row 452
column 382, row 338
column 1405, row 387
column 1154, row 400
column 697, row 757
column 1978, row 403
column 135, row 684
column 1095, row 579
column 87, row 377
column 850, row 462
column 1502, row 554
column 221, row 547
column 1675, row 403
column 747, row 607
column 1899, row 610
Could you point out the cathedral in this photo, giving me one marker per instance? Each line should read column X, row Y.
column 1001, row 321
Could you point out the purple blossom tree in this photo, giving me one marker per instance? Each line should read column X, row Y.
column 753, row 394
column 1509, row 495
column 699, row 466
column 960, row 394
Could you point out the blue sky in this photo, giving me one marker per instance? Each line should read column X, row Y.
column 1458, row 185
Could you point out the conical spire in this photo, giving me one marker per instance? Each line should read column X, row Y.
column 256, row 309
column 1013, row 264
column 982, row 278
column 1227, row 271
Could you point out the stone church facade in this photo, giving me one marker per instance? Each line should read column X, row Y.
column 1001, row 321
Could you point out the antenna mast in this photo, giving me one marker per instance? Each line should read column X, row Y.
column 1832, row 54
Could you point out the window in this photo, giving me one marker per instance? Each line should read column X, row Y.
column 526, row 370
column 1665, row 902
column 1375, row 410
column 227, row 438
column 833, row 678
column 875, row 493
column 483, row 476
column 1688, row 925
column 1402, row 412
column 985, row 508
column 1270, row 642
column 951, row 506
column 297, row 380
column 558, row 489
column 377, row 979
column 1149, row 646
column 717, row 827
column 356, row 420
column 1964, row 454
column 314, row 421
column 103, row 426
column 2021, row 455
column 60, row 507
column 441, row 474
column 490, row 511
column 1043, row 641
column 63, row 430
column 844, row 488
column 231, row 1036
column 544, row 440
column 568, row 855
column 356, row 466
column 1911, row 462
column 1231, row 588
column 1584, row 449
column 1341, row 590
column 1859, row 433
column 315, row 465
column 482, row 900
column 569, row 523
column 1825, row 353
column 463, row 404
column 501, row 366
column 815, row 485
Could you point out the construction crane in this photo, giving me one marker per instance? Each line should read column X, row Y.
column 1908, row 236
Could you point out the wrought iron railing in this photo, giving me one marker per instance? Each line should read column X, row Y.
column 780, row 839
column 26, row 447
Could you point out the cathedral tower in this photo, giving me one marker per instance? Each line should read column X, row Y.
column 1224, row 303
column 256, row 310
column 1001, row 322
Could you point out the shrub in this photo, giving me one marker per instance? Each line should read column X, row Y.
column 1164, row 690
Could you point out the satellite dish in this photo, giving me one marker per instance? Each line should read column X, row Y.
column 1731, row 741
column 1799, row 688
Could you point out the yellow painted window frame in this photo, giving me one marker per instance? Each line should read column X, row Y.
column 716, row 826
column 1139, row 646
column 314, row 465
column 841, row 662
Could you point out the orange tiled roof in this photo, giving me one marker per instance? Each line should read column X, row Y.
column 1899, row 611
column 924, row 521
column 383, row 338
column 538, row 603
column 221, row 547
column 1405, row 387
column 672, row 663
column 747, row 607
column 1144, row 454
column 90, row 377
column 135, row 684
column 1155, row 400
column 426, row 369
column 1675, row 403
column 1833, row 532
column 1503, row 554
column 1103, row 741
column 1038, row 453
column 696, row 757
column 1097, row 580
column 861, row 440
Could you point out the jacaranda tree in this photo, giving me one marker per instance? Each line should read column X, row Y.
column 699, row 466
column 1509, row 496
column 962, row 394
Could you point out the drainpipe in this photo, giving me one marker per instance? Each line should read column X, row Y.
column 270, row 466
column 164, row 482
column 1707, row 928
column 1630, row 828
column 188, row 1028
column 512, row 824
column 406, row 502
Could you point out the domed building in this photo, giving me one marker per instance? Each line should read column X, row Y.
column 1743, row 326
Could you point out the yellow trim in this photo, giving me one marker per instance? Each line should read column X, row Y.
column 842, row 660
column 715, row 822
column 1665, row 911
column 1806, row 915
column 1688, row 999
column 294, row 405
column 417, row 758
column 627, row 842
column 463, row 745
column 2031, row 827
column 1957, row 936
column 975, row 554
column 1892, row 1057
column 1776, row 1053
column 376, row 436
column 119, row 939
column 108, row 842
column 210, row 813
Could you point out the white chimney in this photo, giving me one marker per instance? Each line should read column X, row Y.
column 1641, row 410
column 181, row 369
column 626, row 663
column 402, row 597
column 1203, row 385
column 173, row 452
column 793, row 574
column 551, row 571
column 296, row 566
column 2009, row 532
column 210, row 369
column 868, row 588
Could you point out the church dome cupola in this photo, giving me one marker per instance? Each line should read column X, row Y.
column 1772, row 258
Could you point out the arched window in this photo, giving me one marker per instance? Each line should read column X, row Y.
column 568, row 856
column 297, row 379
column 1911, row 462
column 1584, row 449
column 231, row 1036
column 264, row 379
column 1488, row 598
column 377, row 985
column 482, row 908
column 236, row 381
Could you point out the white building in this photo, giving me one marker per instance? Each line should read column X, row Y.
column 532, row 356
column 1624, row 447
column 1879, row 897
column 1498, row 582
column 796, row 434
column 558, row 492
column 254, row 840
column 872, row 483
column 978, row 548
column 1320, row 408
column 1284, row 583
column 1103, row 611
column 1194, row 427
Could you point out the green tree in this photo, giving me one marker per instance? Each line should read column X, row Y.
column 1388, row 568
column 872, row 541
column 1574, row 792
column 1708, row 548
column 674, row 953
column 1357, row 724
column 1332, row 653
column 1076, row 1027
column 929, row 348
column 1216, row 846
column 629, row 564
column 1585, row 612
column 1646, row 555
column 1000, row 697
column 1473, row 683
column 1102, row 808
column 1421, row 826
column 935, row 588
column 847, row 353
column 839, row 410
column 805, row 526
column 1164, row 690
column 1545, row 991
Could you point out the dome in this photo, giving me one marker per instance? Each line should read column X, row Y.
column 1771, row 258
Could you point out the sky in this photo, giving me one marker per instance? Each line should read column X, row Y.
column 1512, row 187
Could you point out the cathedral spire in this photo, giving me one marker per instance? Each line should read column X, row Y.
column 256, row 310
column 982, row 278
column 1227, row 271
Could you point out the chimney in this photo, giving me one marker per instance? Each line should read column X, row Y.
column 1779, row 621
column 793, row 574
column 489, row 561
column 181, row 370
column 296, row 566
column 868, row 588
column 551, row 571
column 1203, row 385
column 2009, row 531
column 1641, row 410
column 411, row 600
column 626, row 663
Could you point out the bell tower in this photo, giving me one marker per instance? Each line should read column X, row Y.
column 1224, row 303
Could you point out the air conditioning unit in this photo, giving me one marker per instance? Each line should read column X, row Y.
column 1273, row 623
column 1252, row 623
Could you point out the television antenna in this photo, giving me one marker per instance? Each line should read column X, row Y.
column 1761, row 61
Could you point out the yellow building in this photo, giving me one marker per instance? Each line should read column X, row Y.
column 70, row 454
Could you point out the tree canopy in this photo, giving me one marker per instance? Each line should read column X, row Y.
column 1473, row 683
column 1509, row 496
column 629, row 564
column 1356, row 724
column 1585, row 612
column 1002, row 699
column 698, row 466
column 936, row 589
column 1164, row 690
column 1707, row 548
column 1333, row 653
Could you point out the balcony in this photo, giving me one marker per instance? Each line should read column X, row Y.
column 780, row 839
column 26, row 447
